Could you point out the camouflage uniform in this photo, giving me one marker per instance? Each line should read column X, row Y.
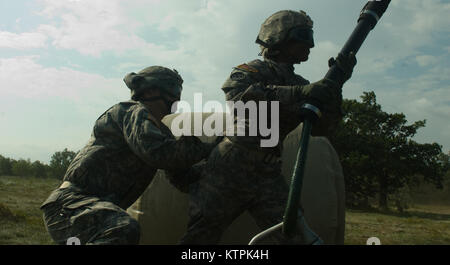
column 240, row 175
column 126, row 148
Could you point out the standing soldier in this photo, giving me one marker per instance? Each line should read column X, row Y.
column 128, row 144
column 240, row 174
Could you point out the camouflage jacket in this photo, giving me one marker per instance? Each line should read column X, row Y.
column 267, row 72
column 126, row 148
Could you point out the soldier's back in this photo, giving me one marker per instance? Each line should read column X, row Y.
column 107, row 166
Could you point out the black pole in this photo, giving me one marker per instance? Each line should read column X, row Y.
column 368, row 19
column 293, row 203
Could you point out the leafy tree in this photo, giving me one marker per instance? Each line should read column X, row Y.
column 378, row 154
column 5, row 166
column 60, row 161
column 39, row 170
column 445, row 161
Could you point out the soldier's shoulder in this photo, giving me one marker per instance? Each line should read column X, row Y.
column 129, row 105
column 253, row 70
column 301, row 80
column 138, row 108
column 259, row 65
column 247, row 67
column 121, row 109
column 254, row 67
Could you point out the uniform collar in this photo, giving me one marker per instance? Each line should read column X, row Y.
column 283, row 69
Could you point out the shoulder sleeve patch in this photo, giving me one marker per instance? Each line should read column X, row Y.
column 247, row 68
column 236, row 76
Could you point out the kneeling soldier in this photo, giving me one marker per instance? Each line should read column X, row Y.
column 128, row 144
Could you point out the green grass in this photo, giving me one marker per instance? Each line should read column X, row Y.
column 422, row 225
column 21, row 219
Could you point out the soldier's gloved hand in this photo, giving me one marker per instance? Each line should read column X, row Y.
column 327, row 96
column 181, row 179
column 345, row 63
column 211, row 146
column 324, row 94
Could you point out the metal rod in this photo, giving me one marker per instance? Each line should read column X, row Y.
column 291, row 212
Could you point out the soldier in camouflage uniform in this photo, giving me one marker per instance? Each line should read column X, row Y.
column 240, row 175
column 128, row 144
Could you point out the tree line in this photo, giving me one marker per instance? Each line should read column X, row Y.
column 57, row 167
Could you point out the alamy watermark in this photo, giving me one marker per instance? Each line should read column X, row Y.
column 236, row 118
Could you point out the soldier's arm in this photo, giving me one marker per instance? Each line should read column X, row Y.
column 237, row 84
column 181, row 179
column 158, row 149
column 246, row 86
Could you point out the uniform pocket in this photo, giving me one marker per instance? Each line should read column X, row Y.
column 57, row 223
column 54, row 197
column 80, row 203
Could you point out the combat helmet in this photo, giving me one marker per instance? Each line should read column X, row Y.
column 283, row 26
column 169, row 82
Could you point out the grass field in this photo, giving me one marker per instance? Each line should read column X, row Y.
column 20, row 217
column 421, row 225
column 21, row 220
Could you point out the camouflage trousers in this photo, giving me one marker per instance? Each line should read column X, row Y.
column 235, row 180
column 68, row 213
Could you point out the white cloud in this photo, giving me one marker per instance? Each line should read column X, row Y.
column 429, row 14
column 425, row 96
column 413, row 23
column 90, row 27
column 21, row 41
column 48, row 109
column 426, row 60
column 406, row 27
column 27, row 79
column 205, row 33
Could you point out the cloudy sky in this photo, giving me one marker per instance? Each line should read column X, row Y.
column 62, row 61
